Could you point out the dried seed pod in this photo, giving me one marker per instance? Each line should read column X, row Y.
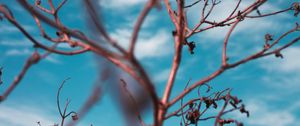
column 191, row 105
column 192, row 46
column 35, row 57
column 74, row 117
column 278, row 55
column 268, row 37
column 1, row 68
column 243, row 110
column 296, row 8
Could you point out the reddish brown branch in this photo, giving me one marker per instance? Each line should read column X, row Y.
column 128, row 62
column 35, row 42
column 179, row 41
column 33, row 59
column 224, row 53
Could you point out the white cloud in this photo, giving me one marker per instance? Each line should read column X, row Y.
column 123, row 36
column 6, row 28
column 16, row 43
column 64, row 46
column 149, row 21
column 149, row 45
column 18, row 52
column 252, row 27
column 28, row 52
column 262, row 115
column 281, row 81
column 289, row 64
column 157, row 45
column 283, row 73
column 53, row 59
column 23, row 115
column 120, row 4
column 162, row 76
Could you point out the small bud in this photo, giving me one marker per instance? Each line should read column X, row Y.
column 225, row 121
column 174, row 33
column 38, row 2
column 196, row 114
column 268, row 37
column 240, row 17
column 296, row 8
column 74, row 117
column 58, row 33
column 35, row 57
column 175, row 13
column 191, row 105
column 278, row 55
column 267, row 46
column 192, row 46
column 73, row 44
column 258, row 12
column 227, row 59
column 209, row 102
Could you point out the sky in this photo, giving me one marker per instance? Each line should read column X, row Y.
column 269, row 87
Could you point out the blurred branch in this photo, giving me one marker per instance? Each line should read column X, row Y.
column 192, row 111
column 133, row 101
column 95, row 19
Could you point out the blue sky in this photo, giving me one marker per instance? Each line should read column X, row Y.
column 269, row 87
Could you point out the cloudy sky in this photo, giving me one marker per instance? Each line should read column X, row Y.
column 269, row 87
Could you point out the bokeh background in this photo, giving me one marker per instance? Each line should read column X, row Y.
column 269, row 87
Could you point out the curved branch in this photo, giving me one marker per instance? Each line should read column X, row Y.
column 270, row 14
column 150, row 4
column 224, row 52
column 57, row 97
